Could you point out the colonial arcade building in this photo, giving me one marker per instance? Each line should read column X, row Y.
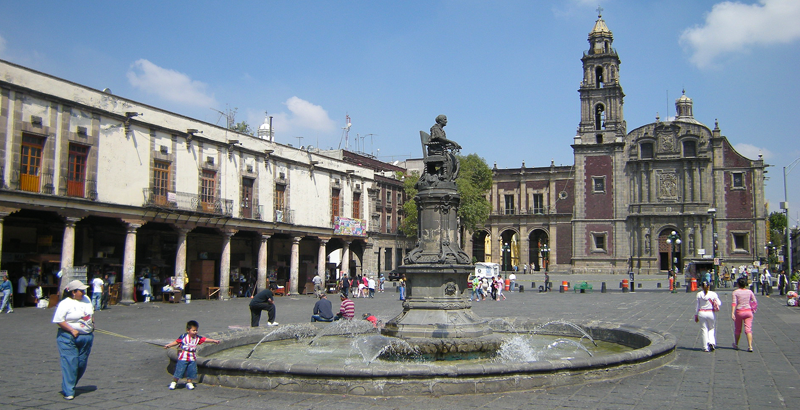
column 667, row 193
column 93, row 180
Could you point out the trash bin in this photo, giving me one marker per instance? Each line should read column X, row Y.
column 508, row 284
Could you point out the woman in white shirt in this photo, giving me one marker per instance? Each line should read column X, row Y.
column 75, row 319
column 708, row 304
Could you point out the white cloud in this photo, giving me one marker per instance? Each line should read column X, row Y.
column 752, row 152
column 733, row 27
column 169, row 84
column 303, row 115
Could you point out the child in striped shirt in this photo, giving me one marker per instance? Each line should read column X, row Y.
column 187, row 354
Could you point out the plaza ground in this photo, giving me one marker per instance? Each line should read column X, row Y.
column 129, row 374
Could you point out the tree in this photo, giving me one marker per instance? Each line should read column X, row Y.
column 474, row 182
column 243, row 128
column 776, row 227
column 411, row 220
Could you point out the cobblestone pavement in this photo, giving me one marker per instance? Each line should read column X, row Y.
column 129, row 374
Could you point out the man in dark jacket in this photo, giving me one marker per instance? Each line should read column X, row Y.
column 262, row 301
column 323, row 312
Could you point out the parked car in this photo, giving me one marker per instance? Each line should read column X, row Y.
column 394, row 274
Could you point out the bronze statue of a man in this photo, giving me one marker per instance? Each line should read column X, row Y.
column 439, row 142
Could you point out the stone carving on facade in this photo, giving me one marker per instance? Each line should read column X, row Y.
column 668, row 185
column 667, row 142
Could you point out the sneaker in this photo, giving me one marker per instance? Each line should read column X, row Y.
column 712, row 347
column 69, row 397
column 173, row 385
column 10, row 311
column 190, row 386
column 272, row 323
column 735, row 347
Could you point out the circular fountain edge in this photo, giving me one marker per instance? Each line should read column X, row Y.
column 652, row 349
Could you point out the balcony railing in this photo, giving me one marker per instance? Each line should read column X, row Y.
column 530, row 211
column 40, row 183
column 78, row 189
column 186, row 202
column 284, row 216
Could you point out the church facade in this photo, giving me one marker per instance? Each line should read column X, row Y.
column 661, row 196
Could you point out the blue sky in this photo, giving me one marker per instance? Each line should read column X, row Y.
column 506, row 73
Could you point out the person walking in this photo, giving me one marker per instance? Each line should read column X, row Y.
column 783, row 283
column 75, row 319
column 513, row 280
column 97, row 293
column 707, row 306
column 765, row 278
column 402, row 287
column 262, row 301
column 743, row 306
column 22, row 290
column 6, row 289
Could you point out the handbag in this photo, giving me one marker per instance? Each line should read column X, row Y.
column 714, row 305
column 753, row 305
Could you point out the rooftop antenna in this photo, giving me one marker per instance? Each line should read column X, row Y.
column 230, row 116
column 371, row 144
column 299, row 141
column 346, row 133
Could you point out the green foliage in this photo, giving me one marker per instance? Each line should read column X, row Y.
column 242, row 127
column 474, row 182
column 411, row 219
column 777, row 226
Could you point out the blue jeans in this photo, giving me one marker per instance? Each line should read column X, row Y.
column 74, row 353
column 6, row 301
column 402, row 293
column 97, row 297
column 187, row 368
column 318, row 318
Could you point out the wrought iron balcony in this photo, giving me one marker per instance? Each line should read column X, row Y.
column 42, row 182
column 284, row 216
column 156, row 198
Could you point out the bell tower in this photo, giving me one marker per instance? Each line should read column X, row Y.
column 598, row 226
column 601, row 93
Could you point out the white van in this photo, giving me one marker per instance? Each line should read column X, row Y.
column 486, row 270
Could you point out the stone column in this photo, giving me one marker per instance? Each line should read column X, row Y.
column 225, row 264
column 346, row 258
column 180, row 259
column 129, row 264
column 67, row 252
column 294, row 266
column 321, row 254
column 261, row 281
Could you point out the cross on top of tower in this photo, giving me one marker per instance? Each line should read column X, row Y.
column 599, row 12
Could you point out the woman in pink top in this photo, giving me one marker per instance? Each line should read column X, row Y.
column 742, row 300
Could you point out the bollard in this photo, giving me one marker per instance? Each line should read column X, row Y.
column 561, row 288
column 521, row 288
column 687, row 288
column 603, row 288
column 639, row 285
column 533, row 285
column 633, row 288
column 658, row 285
column 541, row 289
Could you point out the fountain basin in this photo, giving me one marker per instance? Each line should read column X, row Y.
column 651, row 349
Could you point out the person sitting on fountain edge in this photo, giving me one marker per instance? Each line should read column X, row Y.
column 322, row 309
column 347, row 310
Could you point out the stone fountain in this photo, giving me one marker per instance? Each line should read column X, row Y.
column 437, row 322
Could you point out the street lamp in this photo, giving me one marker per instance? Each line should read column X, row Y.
column 673, row 239
column 506, row 256
column 545, row 257
column 769, row 248
column 713, row 213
